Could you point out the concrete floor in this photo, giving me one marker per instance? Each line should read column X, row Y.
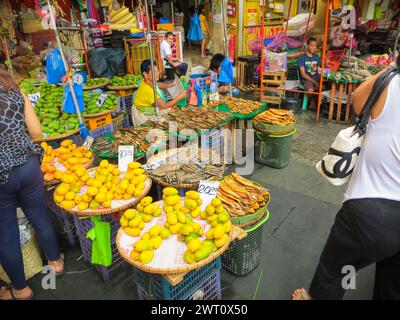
column 302, row 210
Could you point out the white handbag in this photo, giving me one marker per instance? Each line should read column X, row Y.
column 338, row 164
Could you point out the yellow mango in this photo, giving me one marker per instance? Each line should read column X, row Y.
column 219, row 231
column 133, row 232
column 156, row 242
column 194, row 245
column 146, row 256
column 169, row 191
column 193, row 195
column 83, row 206
column 221, row 242
column 124, row 222
column 172, row 200
column 172, row 218
column 130, row 214
column 195, row 213
column 189, row 257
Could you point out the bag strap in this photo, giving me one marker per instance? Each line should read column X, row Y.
column 380, row 84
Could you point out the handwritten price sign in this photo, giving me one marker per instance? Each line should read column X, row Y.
column 101, row 99
column 208, row 191
column 34, row 97
column 125, row 157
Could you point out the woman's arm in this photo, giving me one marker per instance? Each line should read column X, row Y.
column 31, row 120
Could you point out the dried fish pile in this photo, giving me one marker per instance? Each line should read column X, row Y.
column 187, row 171
column 192, row 118
column 136, row 137
column 241, row 197
column 277, row 117
column 237, row 105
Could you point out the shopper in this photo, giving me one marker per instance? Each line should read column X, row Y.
column 21, row 185
column 143, row 103
column 367, row 228
column 308, row 65
column 172, row 65
column 215, row 66
column 205, row 30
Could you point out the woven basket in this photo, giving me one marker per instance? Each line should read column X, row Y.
column 61, row 136
column 273, row 129
column 95, row 115
column 134, row 86
column 33, row 262
column 106, row 81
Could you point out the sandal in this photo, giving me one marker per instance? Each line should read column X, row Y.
column 14, row 296
column 62, row 272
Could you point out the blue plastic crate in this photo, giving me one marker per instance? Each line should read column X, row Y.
column 83, row 225
column 101, row 131
column 210, row 289
column 157, row 287
column 126, row 107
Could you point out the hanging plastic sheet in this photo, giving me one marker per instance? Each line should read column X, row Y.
column 226, row 74
column 55, row 67
column 195, row 33
column 68, row 102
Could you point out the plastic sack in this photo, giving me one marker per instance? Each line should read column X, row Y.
column 255, row 46
column 193, row 99
column 55, row 67
column 279, row 41
column 275, row 61
column 68, row 102
column 226, row 74
column 195, row 33
column 199, row 95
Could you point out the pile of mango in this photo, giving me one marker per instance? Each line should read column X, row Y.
column 30, row 86
column 126, row 80
column 180, row 222
column 91, row 107
column 69, row 154
column 104, row 186
column 96, row 82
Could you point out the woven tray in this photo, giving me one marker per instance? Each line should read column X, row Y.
column 116, row 205
column 106, row 81
column 240, row 221
column 61, row 136
column 96, row 115
column 60, row 167
column 125, row 246
column 273, row 129
column 167, row 153
column 133, row 86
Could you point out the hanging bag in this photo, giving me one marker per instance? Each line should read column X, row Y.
column 338, row 164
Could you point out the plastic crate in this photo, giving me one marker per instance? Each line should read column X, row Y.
column 208, row 290
column 62, row 220
column 243, row 256
column 101, row 131
column 83, row 225
column 157, row 287
column 273, row 150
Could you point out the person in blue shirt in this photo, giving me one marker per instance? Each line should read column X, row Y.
column 215, row 66
column 308, row 65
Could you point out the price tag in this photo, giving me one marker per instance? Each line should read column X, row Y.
column 88, row 142
column 151, row 166
column 208, row 191
column 125, row 157
column 214, row 96
column 101, row 99
column 34, row 97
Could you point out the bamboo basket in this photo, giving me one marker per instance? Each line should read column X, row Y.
column 33, row 262
column 96, row 115
column 133, row 86
column 106, row 81
column 61, row 136
column 235, row 232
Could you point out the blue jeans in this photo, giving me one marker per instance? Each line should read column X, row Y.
column 24, row 189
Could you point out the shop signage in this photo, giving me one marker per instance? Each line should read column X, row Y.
column 231, row 9
column 125, row 157
column 208, row 191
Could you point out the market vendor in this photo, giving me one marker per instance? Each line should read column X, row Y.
column 172, row 65
column 216, row 66
column 308, row 65
column 143, row 103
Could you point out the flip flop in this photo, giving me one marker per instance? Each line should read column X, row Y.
column 62, row 272
column 13, row 295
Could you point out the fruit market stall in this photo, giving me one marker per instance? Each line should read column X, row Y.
column 175, row 255
column 95, row 197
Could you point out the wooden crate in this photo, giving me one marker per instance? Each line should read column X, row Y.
column 274, row 77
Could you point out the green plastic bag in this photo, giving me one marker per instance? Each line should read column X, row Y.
column 100, row 235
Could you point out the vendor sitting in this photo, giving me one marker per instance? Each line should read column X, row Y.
column 143, row 103
column 215, row 66
column 308, row 64
column 172, row 65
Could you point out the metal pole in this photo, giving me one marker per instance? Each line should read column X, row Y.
column 70, row 82
column 225, row 37
column 148, row 36
column 152, row 18
column 327, row 13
